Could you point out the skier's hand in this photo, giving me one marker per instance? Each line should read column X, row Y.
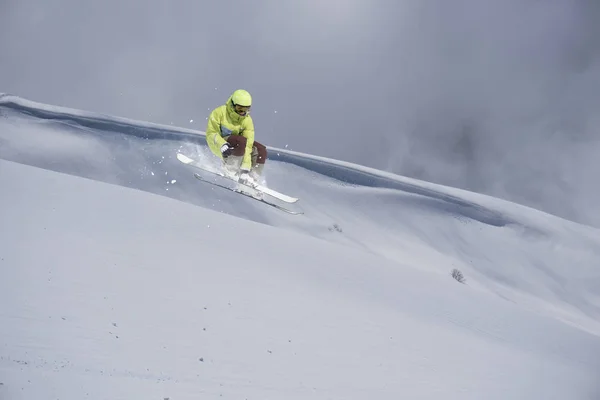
column 226, row 150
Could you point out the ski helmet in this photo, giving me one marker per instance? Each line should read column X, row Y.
column 241, row 98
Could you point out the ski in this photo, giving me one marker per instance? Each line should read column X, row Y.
column 268, row 191
column 287, row 210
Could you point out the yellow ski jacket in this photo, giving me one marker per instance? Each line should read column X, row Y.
column 223, row 122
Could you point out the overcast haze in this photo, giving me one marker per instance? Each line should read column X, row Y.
column 496, row 96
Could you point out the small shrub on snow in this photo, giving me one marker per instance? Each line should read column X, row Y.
column 456, row 274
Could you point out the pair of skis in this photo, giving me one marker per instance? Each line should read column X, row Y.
column 246, row 190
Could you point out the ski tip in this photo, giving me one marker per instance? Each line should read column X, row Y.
column 184, row 159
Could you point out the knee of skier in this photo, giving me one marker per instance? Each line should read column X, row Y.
column 237, row 141
column 262, row 154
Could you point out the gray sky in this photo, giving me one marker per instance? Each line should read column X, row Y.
column 495, row 96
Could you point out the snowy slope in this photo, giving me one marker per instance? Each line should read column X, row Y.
column 108, row 292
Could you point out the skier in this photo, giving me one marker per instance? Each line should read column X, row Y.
column 230, row 136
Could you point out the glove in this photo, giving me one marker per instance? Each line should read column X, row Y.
column 226, row 150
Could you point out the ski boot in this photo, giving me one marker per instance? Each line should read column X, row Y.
column 231, row 167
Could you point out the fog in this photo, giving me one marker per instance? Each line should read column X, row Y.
column 495, row 96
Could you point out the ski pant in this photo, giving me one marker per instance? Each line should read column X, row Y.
column 259, row 151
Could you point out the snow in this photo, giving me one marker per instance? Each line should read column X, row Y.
column 112, row 286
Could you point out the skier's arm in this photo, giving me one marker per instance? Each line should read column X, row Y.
column 213, row 131
column 248, row 133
